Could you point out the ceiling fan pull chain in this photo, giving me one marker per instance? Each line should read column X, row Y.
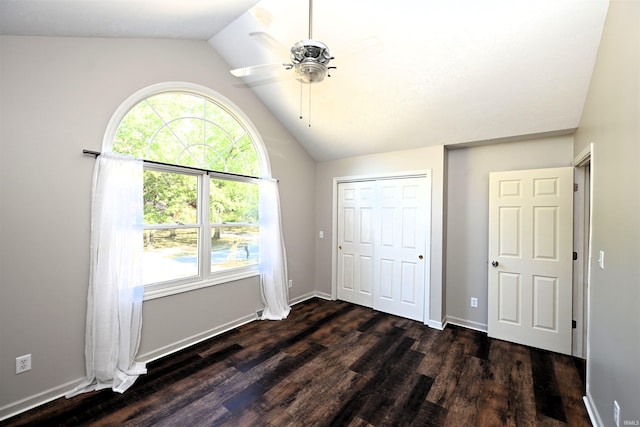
column 309, row 105
column 301, row 100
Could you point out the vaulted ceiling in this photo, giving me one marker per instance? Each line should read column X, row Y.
column 410, row 73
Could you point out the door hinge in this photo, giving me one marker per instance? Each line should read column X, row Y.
column 575, row 186
column 575, row 256
column 574, row 324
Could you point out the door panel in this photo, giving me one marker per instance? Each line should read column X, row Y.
column 510, row 231
column 409, row 285
column 385, row 278
column 545, row 233
column 530, row 242
column 355, row 233
column 545, row 295
column 399, row 286
column 509, row 298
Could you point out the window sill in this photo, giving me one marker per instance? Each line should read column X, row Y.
column 168, row 289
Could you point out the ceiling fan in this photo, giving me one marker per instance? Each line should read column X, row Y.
column 309, row 59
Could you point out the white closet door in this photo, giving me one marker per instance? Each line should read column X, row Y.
column 355, row 236
column 400, row 261
column 382, row 244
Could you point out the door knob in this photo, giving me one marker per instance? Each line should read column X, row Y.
column 494, row 263
column 340, row 247
column 420, row 257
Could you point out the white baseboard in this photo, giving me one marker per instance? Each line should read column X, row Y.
column 36, row 400
column 195, row 339
column 437, row 325
column 322, row 295
column 469, row 324
column 594, row 416
column 305, row 297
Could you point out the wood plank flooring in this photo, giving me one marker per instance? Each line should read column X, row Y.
column 337, row 364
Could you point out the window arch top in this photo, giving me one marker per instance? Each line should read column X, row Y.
column 187, row 129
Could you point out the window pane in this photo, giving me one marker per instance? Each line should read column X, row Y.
column 232, row 201
column 170, row 198
column 189, row 130
column 233, row 246
column 169, row 255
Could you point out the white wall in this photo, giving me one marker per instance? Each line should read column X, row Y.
column 611, row 121
column 393, row 162
column 56, row 97
column 468, row 215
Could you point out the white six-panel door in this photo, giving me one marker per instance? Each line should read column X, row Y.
column 382, row 241
column 530, row 257
column 399, row 257
column 355, row 236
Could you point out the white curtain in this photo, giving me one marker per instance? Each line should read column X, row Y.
column 114, row 304
column 273, row 257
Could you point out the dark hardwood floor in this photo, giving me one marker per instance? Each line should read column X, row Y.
column 337, row 364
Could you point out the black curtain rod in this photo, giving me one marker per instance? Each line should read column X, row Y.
column 97, row 153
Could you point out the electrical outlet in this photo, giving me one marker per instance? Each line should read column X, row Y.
column 290, row 283
column 23, row 363
column 474, row 302
column 616, row 413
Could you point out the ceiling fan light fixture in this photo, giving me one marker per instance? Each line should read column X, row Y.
column 310, row 72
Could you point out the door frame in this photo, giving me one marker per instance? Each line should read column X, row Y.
column 583, row 206
column 426, row 173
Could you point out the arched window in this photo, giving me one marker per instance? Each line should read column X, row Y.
column 187, row 129
column 203, row 158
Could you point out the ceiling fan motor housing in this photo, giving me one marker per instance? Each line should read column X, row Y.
column 310, row 59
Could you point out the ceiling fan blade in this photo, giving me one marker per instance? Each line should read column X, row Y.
column 257, row 69
column 268, row 41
